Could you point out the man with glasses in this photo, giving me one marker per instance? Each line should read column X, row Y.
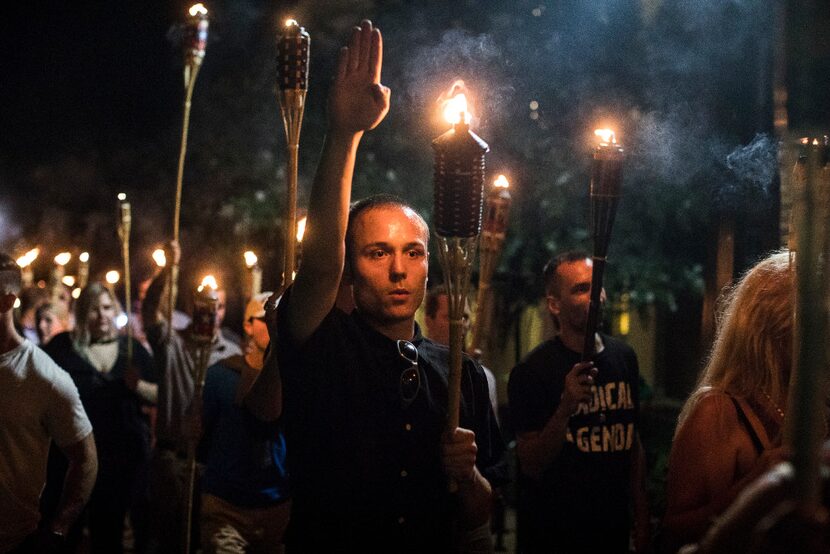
column 365, row 394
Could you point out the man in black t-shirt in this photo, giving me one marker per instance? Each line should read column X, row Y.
column 581, row 462
column 365, row 395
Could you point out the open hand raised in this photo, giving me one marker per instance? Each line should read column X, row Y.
column 358, row 102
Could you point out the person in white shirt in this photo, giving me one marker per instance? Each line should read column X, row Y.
column 38, row 404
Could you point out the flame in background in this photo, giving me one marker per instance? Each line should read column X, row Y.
column 68, row 280
column 501, row 182
column 250, row 258
column 291, row 22
column 606, row 135
column 84, row 257
column 454, row 103
column 112, row 277
column 301, row 228
column 63, row 258
column 159, row 257
column 197, row 9
column 28, row 257
column 209, row 281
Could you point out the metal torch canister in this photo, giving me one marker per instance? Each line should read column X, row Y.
column 459, row 182
column 205, row 308
column 605, row 191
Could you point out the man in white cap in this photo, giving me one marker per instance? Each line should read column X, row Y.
column 245, row 502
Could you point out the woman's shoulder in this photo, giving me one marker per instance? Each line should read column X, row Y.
column 711, row 410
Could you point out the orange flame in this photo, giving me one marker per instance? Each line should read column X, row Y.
column 501, row 182
column 250, row 258
column 606, row 135
column 209, row 281
column 197, row 9
column 454, row 104
column 291, row 22
column 112, row 277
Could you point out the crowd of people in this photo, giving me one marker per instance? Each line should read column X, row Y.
column 324, row 430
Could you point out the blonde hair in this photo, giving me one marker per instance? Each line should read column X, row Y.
column 89, row 297
column 752, row 353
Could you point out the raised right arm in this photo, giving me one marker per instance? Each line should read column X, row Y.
column 357, row 103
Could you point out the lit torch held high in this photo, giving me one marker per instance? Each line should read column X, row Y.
column 25, row 262
column 292, row 86
column 194, row 43
column 606, row 189
column 494, row 229
column 459, row 194
column 254, row 280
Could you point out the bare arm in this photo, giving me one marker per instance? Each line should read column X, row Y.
column 538, row 449
column 77, row 486
column 358, row 103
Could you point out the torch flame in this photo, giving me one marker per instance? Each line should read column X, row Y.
column 112, row 277
column 159, row 257
column 84, row 257
column 28, row 257
column 209, row 281
column 606, row 135
column 197, row 9
column 122, row 196
column 250, row 259
column 454, row 104
column 301, row 228
column 290, row 22
column 63, row 258
column 76, row 293
column 501, row 182
column 68, row 280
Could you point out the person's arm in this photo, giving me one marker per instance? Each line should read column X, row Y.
column 538, row 449
column 702, row 478
column 357, row 103
column 458, row 454
column 264, row 400
column 78, row 483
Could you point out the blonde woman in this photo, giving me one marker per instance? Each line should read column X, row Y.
column 729, row 431
column 95, row 356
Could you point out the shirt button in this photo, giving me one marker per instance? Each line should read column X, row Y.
column 401, row 519
column 404, row 473
column 408, row 427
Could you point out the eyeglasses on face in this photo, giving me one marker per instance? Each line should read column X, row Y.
column 410, row 381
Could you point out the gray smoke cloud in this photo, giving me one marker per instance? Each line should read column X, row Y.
column 756, row 163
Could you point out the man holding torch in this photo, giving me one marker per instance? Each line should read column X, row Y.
column 365, row 394
column 581, row 463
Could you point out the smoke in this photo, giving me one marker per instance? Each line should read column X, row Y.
column 756, row 163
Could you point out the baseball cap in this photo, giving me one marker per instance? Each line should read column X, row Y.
column 256, row 306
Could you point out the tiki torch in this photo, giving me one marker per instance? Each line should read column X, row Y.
column 111, row 278
column 808, row 380
column 459, row 194
column 254, row 274
column 25, row 262
column 494, row 228
column 125, row 220
column 606, row 181
column 194, row 42
column 292, row 75
column 58, row 273
column 202, row 333
column 83, row 269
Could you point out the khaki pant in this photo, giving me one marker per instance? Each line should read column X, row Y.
column 229, row 529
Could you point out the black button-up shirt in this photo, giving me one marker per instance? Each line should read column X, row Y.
column 365, row 466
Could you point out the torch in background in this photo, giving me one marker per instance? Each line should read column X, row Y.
column 83, row 270
column 292, row 85
column 806, row 426
column 111, row 278
column 254, row 275
column 125, row 220
column 459, row 194
column 57, row 275
column 194, row 42
column 25, row 262
column 606, row 183
column 494, row 229
column 202, row 331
